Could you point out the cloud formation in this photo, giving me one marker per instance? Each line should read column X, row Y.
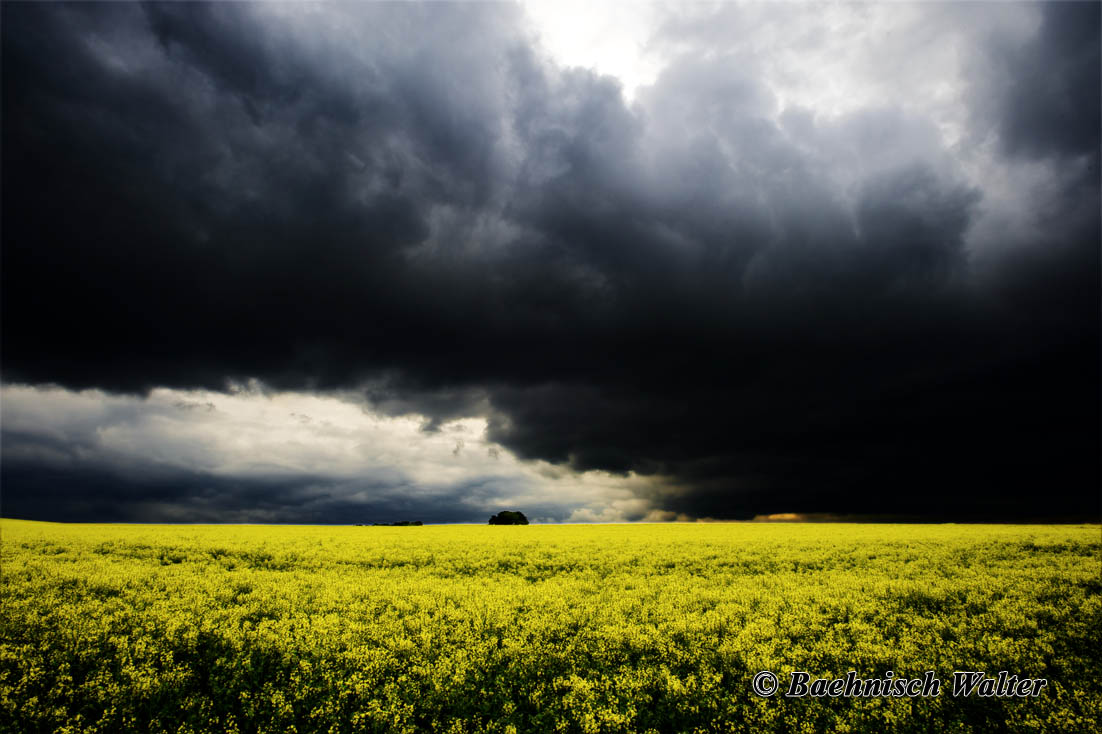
column 774, row 283
column 251, row 456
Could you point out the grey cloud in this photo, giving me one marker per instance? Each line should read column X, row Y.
column 410, row 203
column 1047, row 93
column 86, row 494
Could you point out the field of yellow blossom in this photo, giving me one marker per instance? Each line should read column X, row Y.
column 574, row 628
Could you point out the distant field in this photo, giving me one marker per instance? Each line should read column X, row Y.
column 541, row 628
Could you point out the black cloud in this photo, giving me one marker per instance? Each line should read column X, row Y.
column 413, row 200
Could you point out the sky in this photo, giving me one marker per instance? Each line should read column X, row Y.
column 354, row 263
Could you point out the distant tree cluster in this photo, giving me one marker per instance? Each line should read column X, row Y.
column 399, row 524
column 509, row 517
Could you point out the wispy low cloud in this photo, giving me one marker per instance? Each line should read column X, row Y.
column 255, row 456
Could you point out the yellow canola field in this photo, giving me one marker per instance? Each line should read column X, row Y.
column 576, row 628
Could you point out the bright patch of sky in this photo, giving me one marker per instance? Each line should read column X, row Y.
column 252, row 434
column 609, row 38
column 831, row 58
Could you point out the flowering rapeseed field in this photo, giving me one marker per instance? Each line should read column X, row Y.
column 662, row 628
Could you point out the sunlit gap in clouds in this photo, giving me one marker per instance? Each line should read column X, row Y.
column 321, row 450
column 608, row 38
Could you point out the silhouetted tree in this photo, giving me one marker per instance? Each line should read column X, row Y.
column 509, row 517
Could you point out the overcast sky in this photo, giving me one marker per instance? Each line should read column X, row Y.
column 371, row 262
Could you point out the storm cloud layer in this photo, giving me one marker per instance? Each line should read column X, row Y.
column 889, row 307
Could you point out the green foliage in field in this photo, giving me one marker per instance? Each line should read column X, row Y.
column 539, row 628
column 509, row 517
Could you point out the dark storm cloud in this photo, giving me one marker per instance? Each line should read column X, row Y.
column 99, row 494
column 1047, row 94
column 408, row 200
